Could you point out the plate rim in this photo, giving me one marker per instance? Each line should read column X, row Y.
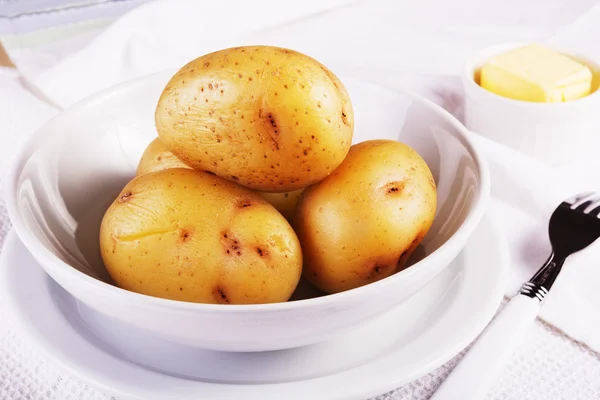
column 377, row 385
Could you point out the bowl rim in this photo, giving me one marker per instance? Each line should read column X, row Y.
column 54, row 265
column 476, row 60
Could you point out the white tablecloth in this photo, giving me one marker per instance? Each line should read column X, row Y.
column 547, row 366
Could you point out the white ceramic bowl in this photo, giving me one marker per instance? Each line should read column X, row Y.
column 553, row 133
column 71, row 170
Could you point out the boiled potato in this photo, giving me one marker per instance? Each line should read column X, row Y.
column 271, row 119
column 362, row 222
column 157, row 157
column 285, row 202
column 188, row 235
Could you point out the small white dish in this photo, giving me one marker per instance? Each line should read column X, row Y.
column 74, row 167
column 556, row 133
column 405, row 343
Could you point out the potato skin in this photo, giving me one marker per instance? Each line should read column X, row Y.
column 361, row 223
column 285, row 202
column 269, row 118
column 188, row 235
column 157, row 157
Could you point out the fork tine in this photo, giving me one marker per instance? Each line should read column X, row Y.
column 593, row 207
column 574, row 199
column 582, row 199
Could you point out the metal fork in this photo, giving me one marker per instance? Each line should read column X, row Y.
column 574, row 225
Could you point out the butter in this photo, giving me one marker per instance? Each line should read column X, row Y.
column 535, row 73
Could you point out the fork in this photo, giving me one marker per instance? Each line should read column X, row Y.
column 574, row 225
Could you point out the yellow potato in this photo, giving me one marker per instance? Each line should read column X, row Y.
column 271, row 119
column 362, row 222
column 157, row 157
column 285, row 202
column 188, row 235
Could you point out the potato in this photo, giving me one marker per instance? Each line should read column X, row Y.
column 157, row 157
column 271, row 119
column 284, row 202
column 188, row 235
column 362, row 222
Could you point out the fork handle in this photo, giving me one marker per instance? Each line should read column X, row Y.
column 477, row 371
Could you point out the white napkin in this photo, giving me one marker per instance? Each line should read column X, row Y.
column 412, row 44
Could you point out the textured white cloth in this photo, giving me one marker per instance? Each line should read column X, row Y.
column 380, row 38
column 386, row 44
column 40, row 33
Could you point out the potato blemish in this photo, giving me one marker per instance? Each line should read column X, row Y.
column 402, row 256
column 220, row 295
column 185, row 235
column 244, row 203
column 261, row 251
column 401, row 264
column 273, row 123
column 377, row 270
column 344, row 118
column 270, row 125
column 125, row 197
column 232, row 245
column 396, row 187
column 432, row 182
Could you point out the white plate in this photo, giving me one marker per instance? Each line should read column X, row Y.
column 408, row 342
column 57, row 215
